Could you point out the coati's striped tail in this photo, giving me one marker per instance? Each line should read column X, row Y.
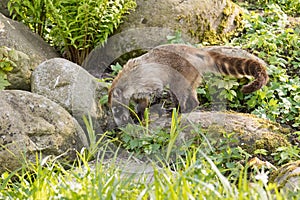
column 240, row 67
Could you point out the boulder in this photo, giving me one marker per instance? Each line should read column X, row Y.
column 251, row 132
column 216, row 129
column 16, row 36
column 287, row 177
column 31, row 124
column 130, row 43
column 203, row 20
column 73, row 88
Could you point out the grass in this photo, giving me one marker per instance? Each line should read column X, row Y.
column 196, row 174
column 197, row 179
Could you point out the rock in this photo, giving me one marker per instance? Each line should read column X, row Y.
column 73, row 88
column 128, row 41
column 31, row 124
column 204, row 20
column 252, row 132
column 17, row 36
column 233, row 129
column 287, row 177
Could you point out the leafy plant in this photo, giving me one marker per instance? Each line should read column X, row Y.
column 290, row 7
column 279, row 46
column 93, row 139
column 222, row 92
column 174, row 131
column 200, row 178
column 34, row 14
column 141, row 140
column 202, row 173
column 285, row 154
column 116, row 69
column 75, row 27
column 5, row 66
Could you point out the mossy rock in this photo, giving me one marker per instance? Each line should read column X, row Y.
column 287, row 177
column 207, row 20
column 244, row 130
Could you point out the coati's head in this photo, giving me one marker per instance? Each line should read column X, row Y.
column 119, row 106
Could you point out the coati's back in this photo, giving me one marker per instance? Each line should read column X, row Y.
column 170, row 63
column 212, row 61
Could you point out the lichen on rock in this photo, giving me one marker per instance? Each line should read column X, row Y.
column 204, row 21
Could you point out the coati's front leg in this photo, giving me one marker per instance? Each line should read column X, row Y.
column 142, row 104
column 190, row 103
column 155, row 109
column 186, row 95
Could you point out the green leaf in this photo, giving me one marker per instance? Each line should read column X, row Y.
column 3, row 81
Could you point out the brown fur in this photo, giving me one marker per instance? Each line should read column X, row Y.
column 181, row 67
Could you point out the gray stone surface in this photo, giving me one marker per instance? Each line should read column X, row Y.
column 30, row 124
column 248, row 131
column 135, row 39
column 72, row 87
column 192, row 17
column 3, row 7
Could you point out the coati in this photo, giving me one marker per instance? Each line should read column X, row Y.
column 179, row 67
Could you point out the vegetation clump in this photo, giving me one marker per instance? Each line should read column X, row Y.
column 6, row 65
column 75, row 27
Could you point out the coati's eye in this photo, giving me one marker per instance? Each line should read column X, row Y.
column 124, row 118
column 120, row 113
column 114, row 110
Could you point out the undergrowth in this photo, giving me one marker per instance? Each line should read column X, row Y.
column 276, row 40
column 75, row 27
column 197, row 178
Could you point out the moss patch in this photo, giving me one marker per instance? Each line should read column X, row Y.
column 206, row 32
